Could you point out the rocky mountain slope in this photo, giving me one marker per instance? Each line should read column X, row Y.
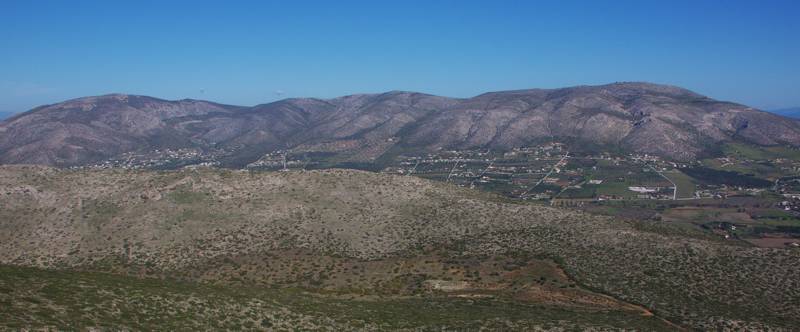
column 636, row 117
column 345, row 233
column 93, row 128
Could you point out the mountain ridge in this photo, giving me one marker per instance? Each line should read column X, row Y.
column 637, row 117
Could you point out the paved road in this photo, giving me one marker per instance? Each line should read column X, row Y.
column 566, row 155
column 674, row 186
column 452, row 170
column 413, row 169
column 482, row 173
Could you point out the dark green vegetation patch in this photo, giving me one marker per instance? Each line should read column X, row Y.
column 731, row 178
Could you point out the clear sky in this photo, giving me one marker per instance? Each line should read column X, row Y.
column 254, row 52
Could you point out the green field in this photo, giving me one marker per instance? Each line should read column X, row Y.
column 745, row 151
column 686, row 185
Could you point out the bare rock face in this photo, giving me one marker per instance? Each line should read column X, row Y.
column 637, row 117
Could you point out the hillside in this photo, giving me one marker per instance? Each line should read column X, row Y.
column 364, row 237
column 93, row 128
column 77, row 300
column 634, row 117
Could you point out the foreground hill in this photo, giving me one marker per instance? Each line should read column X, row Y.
column 359, row 236
column 635, row 117
column 67, row 300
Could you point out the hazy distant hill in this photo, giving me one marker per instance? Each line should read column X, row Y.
column 637, row 117
column 793, row 112
column 5, row 115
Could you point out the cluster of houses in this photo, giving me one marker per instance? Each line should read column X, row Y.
column 157, row 158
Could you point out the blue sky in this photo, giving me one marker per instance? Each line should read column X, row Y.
column 253, row 52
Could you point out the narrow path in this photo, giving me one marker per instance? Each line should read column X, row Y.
column 566, row 155
column 481, row 175
column 452, row 170
column 674, row 186
column 633, row 306
column 567, row 187
column 644, row 311
column 413, row 169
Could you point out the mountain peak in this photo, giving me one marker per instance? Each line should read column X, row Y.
column 106, row 97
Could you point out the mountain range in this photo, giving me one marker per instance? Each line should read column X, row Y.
column 635, row 117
